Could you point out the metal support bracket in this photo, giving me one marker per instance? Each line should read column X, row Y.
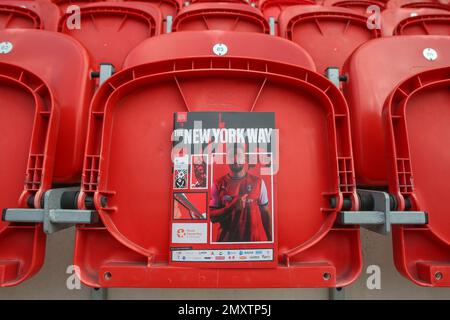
column 99, row 294
column 336, row 294
column 272, row 23
column 106, row 71
column 169, row 22
column 379, row 218
column 52, row 216
column 332, row 73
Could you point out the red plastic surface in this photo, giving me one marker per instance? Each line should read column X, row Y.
column 167, row 7
column 403, row 21
column 368, row 87
column 430, row 4
column 358, row 6
column 43, row 122
column 167, row 47
column 128, row 157
column 110, row 30
column 64, row 4
column 28, row 15
column 70, row 84
column 329, row 34
column 273, row 8
column 220, row 16
column 22, row 247
column 214, row 1
column 417, row 116
column 426, row 25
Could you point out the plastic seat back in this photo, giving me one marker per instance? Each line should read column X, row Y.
column 220, row 16
column 28, row 15
column 369, row 85
column 404, row 21
column 109, row 30
column 131, row 247
column 44, row 121
column 416, row 116
column 329, row 34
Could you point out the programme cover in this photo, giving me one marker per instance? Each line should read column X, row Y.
column 223, row 211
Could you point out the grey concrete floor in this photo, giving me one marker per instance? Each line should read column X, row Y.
column 50, row 282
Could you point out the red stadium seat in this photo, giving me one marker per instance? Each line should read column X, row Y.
column 43, row 128
column 64, row 4
column 329, row 34
column 213, row 1
column 416, row 116
column 419, row 4
column 220, row 16
column 367, row 75
column 273, row 8
column 109, row 30
column 359, row 6
column 399, row 127
column 167, row 74
column 167, row 7
column 403, row 21
column 28, row 15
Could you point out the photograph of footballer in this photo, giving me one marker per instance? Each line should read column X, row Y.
column 199, row 172
column 239, row 201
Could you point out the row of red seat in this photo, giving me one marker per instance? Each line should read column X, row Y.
column 330, row 34
column 119, row 146
column 31, row 13
column 172, row 6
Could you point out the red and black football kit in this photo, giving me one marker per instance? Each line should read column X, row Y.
column 243, row 225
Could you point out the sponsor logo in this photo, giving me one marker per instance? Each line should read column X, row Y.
column 181, row 233
column 189, row 233
column 181, row 116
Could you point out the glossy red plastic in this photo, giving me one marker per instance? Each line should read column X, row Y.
column 424, row 4
column 368, row 87
column 70, row 84
column 403, row 21
column 358, row 6
column 64, row 4
column 416, row 115
column 215, row 1
column 167, row 47
column 128, row 162
column 43, row 122
column 273, row 8
column 28, row 15
column 220, row 16
column 329, row 34
column 167, row 7
column 426, row 25
column 109, row 30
